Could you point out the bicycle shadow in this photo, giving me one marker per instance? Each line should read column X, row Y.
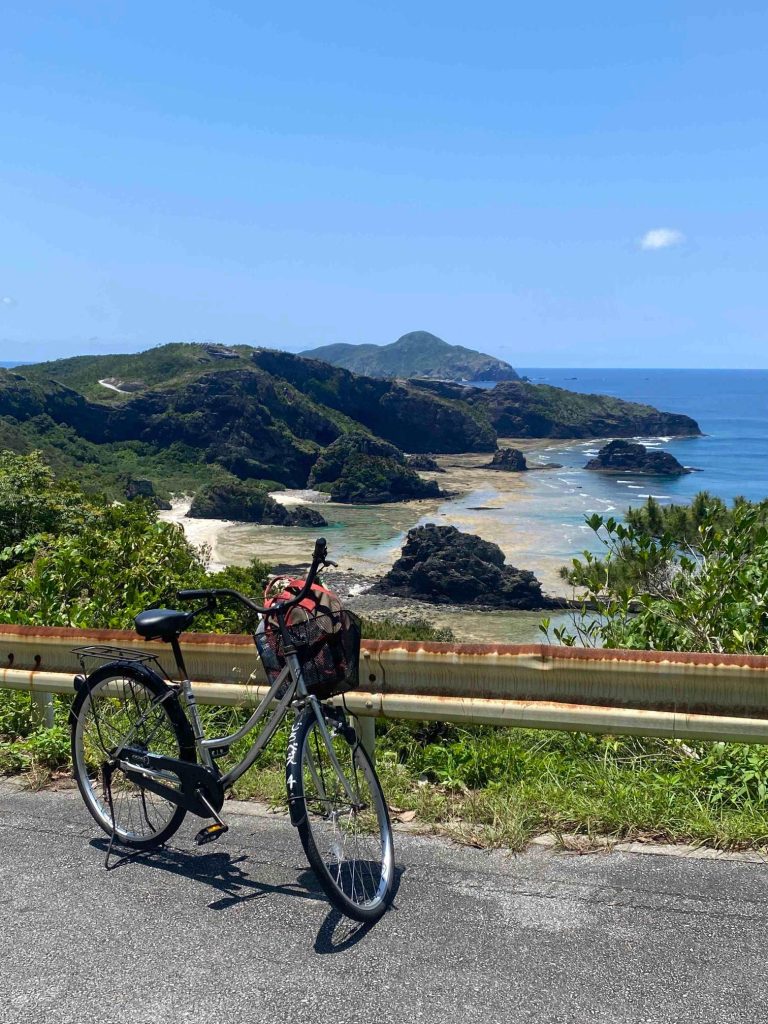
column 222, row 872
column 218, row 869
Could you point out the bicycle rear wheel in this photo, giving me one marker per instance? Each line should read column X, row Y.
column 348, row 841
column 124, row 705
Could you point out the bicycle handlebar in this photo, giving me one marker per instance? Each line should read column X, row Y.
column 319, row 556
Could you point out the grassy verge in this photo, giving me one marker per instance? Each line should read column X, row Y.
column 500, row 787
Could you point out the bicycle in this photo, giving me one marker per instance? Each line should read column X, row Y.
column 142, row 760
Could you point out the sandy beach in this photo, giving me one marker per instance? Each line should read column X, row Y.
column 366, row 539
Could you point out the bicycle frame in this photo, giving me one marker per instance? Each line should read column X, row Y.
column 296, row 689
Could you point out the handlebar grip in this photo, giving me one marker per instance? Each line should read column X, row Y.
column 193, row 595
column 321, row 550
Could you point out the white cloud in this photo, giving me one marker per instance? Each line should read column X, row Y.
column 8, row 300
column 661, row 238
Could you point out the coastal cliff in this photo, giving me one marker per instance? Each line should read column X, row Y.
column 525, row 410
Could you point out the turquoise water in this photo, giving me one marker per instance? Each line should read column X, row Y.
column 538, row 518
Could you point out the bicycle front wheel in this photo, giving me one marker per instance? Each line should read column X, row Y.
column 341, row 814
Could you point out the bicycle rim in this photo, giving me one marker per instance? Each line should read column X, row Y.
column 349, row 842
column 116, row 711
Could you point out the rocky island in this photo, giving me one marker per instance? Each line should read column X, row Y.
column 416, row 354
column 508, row 460
column 628, row 457
column 247, row 502
column 364, row 470
column 442, row 565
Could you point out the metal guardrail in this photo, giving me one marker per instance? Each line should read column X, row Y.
column 695, row 696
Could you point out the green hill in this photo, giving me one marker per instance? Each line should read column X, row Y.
column 418, row 354
column 191, row 417
column 186, row 415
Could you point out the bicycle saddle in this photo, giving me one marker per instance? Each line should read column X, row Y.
column 162, row 623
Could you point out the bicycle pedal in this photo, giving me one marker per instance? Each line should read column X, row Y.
column 211, row 833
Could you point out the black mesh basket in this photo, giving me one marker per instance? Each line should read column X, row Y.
column 327, row 646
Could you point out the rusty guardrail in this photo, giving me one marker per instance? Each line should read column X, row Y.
column 702, row 696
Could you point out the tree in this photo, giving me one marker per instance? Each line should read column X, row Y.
column 710, row 595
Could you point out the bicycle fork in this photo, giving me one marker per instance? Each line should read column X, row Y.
column 323, row 727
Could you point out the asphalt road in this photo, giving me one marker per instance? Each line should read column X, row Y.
column 238, row 932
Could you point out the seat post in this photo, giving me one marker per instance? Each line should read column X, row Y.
column 179, row 658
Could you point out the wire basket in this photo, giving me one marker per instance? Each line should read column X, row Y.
column 327, row 646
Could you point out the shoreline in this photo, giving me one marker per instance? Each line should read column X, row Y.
column 199, row 532
column 366, row 540
column 536, row 518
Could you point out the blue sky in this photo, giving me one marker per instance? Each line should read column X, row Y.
column 294, row 175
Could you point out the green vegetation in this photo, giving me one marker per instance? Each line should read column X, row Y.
column 185, row 415
column 678, row 579
column 520, row 409
column 72, row 559
column 363, row 470
column 418, row 354
column 250, row 502
column 198, row 414
column 167, row 365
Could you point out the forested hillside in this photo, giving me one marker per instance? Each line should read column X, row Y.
column 183, row 415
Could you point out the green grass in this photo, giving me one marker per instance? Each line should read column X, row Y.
column 496, row 787
column 164, row 365
column 502, row 787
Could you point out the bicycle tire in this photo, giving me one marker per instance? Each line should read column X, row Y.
column 132, row 686
column 361, row 887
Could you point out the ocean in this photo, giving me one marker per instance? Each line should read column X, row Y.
column 730, row 406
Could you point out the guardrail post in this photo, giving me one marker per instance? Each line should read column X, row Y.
column 45, row 708
column 365, row 727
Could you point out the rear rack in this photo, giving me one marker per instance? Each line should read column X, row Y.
column 104, row 652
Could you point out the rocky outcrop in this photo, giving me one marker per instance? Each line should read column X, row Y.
column 248, row 502
column 510, row 460
column 636, row 459
column 144, row 489
column 423, row 464
column 363, row 470
column 442, row 565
